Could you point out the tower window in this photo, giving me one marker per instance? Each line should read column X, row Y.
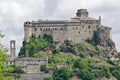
column 35, row 29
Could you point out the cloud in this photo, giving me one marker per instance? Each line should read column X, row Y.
column 13, row 13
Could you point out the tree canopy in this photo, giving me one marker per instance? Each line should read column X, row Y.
column 3, row 60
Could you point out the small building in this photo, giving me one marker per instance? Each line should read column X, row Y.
column 30, row 65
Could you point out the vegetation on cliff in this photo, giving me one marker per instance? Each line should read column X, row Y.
column 87, row 61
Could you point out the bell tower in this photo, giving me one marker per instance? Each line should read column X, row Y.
column 12, row 49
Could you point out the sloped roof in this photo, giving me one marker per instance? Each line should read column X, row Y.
column 77, row 19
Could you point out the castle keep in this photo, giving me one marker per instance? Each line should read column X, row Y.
column 77, row 29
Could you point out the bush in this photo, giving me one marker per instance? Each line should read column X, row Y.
column 17, row 69
column 47, row 78
column 43, row 68
column 61, row 74
column 116, row 73
column 86, row 75
column 82, row 55
column 110, row 62
column 81, row 64
column 106, row 71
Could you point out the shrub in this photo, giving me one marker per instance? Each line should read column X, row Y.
column 106, row 71
column 116, row 73
column 47, row 78
column 43, row 68
column 110, row 62
column 81, row 64
column 61, row 74
column 86, row 75
column 82, row 55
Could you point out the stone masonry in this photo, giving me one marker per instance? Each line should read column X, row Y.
column 77, row 29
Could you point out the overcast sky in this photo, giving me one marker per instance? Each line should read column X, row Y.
column 13, row 13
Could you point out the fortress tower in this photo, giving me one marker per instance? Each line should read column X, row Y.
column 82, row 13
column 12, row 49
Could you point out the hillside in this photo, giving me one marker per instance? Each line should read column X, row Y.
column 88, row 60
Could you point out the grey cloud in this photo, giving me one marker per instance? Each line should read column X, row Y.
column 50, row 6
column 14, row 13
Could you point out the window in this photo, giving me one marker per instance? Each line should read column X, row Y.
column 35, row 29
column 61, row 28
column 41, row 29
column 76, row 28
column 39, row 36
column 89, row 31
column 89, row 27
column 55, row 28
column 73, row 28
column 82, row 26
column 49, row 29
column 79, row 32
column 97, row 26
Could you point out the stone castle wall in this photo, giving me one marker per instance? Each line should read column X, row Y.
column 78, row 29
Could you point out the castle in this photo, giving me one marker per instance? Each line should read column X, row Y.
column 78, row 29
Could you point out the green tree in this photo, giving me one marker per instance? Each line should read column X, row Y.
column 3, row 60
column 61, row 74
column 96, row 38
